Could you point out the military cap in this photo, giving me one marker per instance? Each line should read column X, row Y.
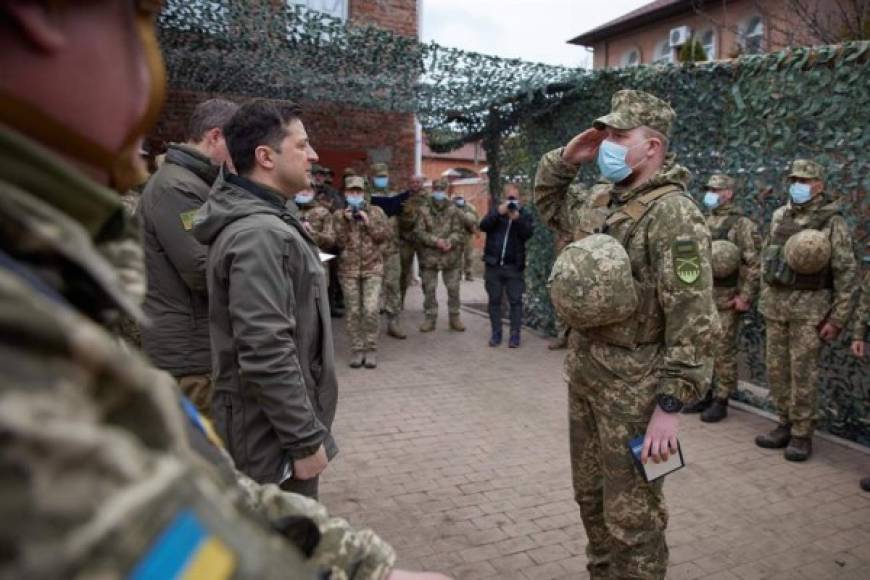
column 441, row 184
column 720, row 181
column 631, row 109
column 354, row 182
column 348, row 171
column 806, row 169
column 380, row 170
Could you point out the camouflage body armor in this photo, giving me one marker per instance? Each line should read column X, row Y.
column 775, row 268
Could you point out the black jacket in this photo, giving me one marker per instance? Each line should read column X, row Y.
column 506, row 239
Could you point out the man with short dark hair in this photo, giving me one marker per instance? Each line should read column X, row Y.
column 177, row 340
column 271, row 336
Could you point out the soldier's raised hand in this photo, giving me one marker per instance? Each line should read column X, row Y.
column 584, row 147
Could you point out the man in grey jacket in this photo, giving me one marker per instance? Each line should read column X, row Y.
column 176, row 338
column 271, row 335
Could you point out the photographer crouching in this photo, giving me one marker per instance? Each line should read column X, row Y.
column 507, row 228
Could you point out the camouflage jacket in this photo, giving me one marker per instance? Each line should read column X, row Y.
column 97, row 464
column 361, row 245
column 390, row 245
column 408, row 217
column 727, row 222
column 320, row 220
column 471, row 215
column 676, row 318
column 785, row 304
column 862, row 312
column 441, row 221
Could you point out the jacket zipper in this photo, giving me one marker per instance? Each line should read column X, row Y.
column 504, row 245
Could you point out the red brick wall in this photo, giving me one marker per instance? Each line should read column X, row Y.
column 399, row 16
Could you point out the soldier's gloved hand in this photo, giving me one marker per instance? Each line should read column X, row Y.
column 829, row 331
column 858, row 348
column 584, row 147
column 661, row 436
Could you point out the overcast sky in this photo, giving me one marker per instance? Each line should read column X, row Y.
column 534, row 30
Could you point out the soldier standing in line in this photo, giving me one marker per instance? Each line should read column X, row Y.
column 808, row 280
column 360, row 231
column 392, row 292
column 736, row 268
column 440, row 229
column 316, row 220
column 636, row 290
column 413, row 197
column 468, row 246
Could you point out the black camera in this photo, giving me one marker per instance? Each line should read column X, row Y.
column 513, row 205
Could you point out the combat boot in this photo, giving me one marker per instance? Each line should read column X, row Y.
column 428, row 325
column 394, row 329
column 776, row 439
column 371, row 360
column 456, row 323
column 799, row 449
column 700, row 405
column 357, row 360
column 717, row 411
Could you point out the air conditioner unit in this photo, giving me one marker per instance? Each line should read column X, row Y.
column 680, row 36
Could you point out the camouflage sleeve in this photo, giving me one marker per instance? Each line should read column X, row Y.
column 679, row 250
column 844, row 268
column 421, row 229
column 342, row 551
column 469, row 219
column 379, row 227
column 324, row 231
column 553, row 190
column 749, row 242
column 862, row 311
column 339, row 228
column 458, row 227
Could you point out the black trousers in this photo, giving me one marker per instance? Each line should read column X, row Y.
column 499, row 280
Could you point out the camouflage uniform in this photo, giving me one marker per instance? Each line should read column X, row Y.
column 727, row 222
column 320, row 220
column 793, row 315
column 862, row 312
column 440, row 220
column 615, row 372
column 97, row 464
column 390, row 248
column 468, row 245
column 409, row 246
column 361, row 271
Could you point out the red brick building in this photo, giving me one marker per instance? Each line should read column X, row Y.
column 342, row 136
column 655, row 32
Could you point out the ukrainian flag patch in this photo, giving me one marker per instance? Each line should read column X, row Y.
column 186, row 550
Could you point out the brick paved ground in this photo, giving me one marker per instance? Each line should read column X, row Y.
column 457, row 454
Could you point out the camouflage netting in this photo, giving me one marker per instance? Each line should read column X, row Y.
column 748, row 118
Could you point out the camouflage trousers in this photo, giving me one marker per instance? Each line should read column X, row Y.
column 361, row 297
column 624, row 516
column 392, row 283
column 407, row 251
column 197, row 388
column 725, row 364
column 430, row 285
column 793, row 352
column 468, row 257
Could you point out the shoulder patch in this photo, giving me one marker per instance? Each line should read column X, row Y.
column 187, row 219
column 687, row 261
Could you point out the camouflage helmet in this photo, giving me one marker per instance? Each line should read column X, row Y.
column 726, row 258
column 591, row 283
column 808, row 252
column 720, row 181
column 631, row 109
column 379, row 170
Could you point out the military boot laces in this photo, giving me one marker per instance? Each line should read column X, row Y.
column 776, row 439
column 394, row 329
column 357, row 360
column 717, row 411
column 456, row 323
column 428, row 325
column 799, row 449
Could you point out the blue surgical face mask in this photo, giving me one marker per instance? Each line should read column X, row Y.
column 800, row 193
column 711, row 200
column 381, row 182
column 439, row 195
column 303, row 198
column 612, row 163
column 355, row 201
column 459, row 201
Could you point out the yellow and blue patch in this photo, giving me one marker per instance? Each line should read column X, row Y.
column 201, row 423
column 187, row 551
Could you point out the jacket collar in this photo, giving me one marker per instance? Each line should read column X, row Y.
column 669, row 173
column 194, row 161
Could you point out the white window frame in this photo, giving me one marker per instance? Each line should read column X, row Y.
column 749, row 33
column 626, row 58
column 709, row 49
column 661, row 57
column 335, row 8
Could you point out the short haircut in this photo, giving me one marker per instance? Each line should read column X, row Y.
column 258, row 122
column 208, row 115
column 651, row 133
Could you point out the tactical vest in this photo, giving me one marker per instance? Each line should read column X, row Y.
column 776, row 270
column 629, row 333
column 721, row 233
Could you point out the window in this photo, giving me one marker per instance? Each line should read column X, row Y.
column 664, row 53
column 708, row 41
column 753, row 36
column 631, row 58
column 335, row 8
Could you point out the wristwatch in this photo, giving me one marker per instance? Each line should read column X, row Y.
column 669, row 403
